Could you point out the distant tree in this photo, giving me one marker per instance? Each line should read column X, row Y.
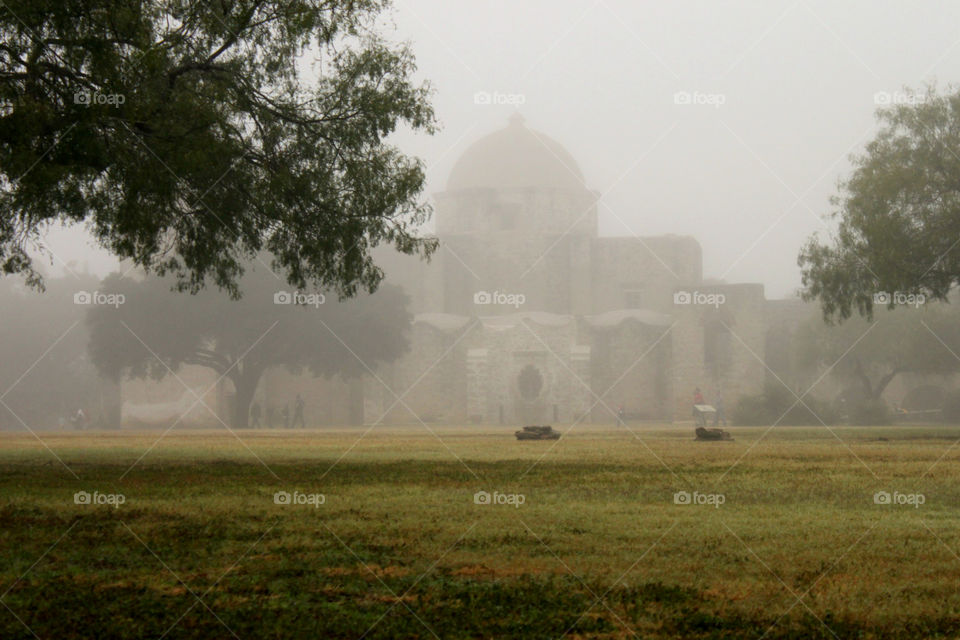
column 240, row 339
column 189, row 138
column 872, row 353
column 899, row 214
column 45, row 373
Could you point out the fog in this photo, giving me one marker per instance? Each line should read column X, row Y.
column 750, row 178
column 710, row 137
column 656, row 333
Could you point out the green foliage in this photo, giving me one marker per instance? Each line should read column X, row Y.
column 776, row 406
column 897, row 213
column 188, row 138
column 871, row 353
column 156, row 331
column 869, row 411
column 752, row 411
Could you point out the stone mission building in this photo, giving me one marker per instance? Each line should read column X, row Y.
column 526, row 315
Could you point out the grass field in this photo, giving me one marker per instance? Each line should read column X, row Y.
column 587, row 542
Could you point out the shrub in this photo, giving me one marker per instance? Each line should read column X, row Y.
column 951, row 408
column 868, row 412
column 777, row 405
column 750, row 411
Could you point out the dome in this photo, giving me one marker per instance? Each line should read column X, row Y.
column 516, row 157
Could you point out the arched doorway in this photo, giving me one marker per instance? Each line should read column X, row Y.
column 530, row 388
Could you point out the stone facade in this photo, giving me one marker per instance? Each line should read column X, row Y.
column 546, row 321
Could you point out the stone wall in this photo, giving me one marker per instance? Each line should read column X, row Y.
column 648, row 270
column 631, row 369
column 738, row 325
column 473, row 373
column 428, row 384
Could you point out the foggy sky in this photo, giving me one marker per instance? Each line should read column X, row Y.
column 748, row 178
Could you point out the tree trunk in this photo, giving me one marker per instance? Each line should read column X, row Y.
column 874, row 392
column 882, row 384
column 244, row 384
column 864, row 379
column 245, row 376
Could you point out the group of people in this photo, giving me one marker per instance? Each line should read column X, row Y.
column 298, row 419
column 718, row 414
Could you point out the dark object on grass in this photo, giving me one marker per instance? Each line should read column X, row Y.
column 538, row 433
column 712, row 434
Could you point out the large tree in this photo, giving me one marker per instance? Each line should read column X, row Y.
column 189, row 137
column 155, row 331
column 898, row 214
column 872, row 353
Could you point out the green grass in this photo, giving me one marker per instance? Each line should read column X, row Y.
column 399, row 549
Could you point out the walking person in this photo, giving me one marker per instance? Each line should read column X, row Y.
column 719, row 416
column 298, row 413
column 697, row 415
